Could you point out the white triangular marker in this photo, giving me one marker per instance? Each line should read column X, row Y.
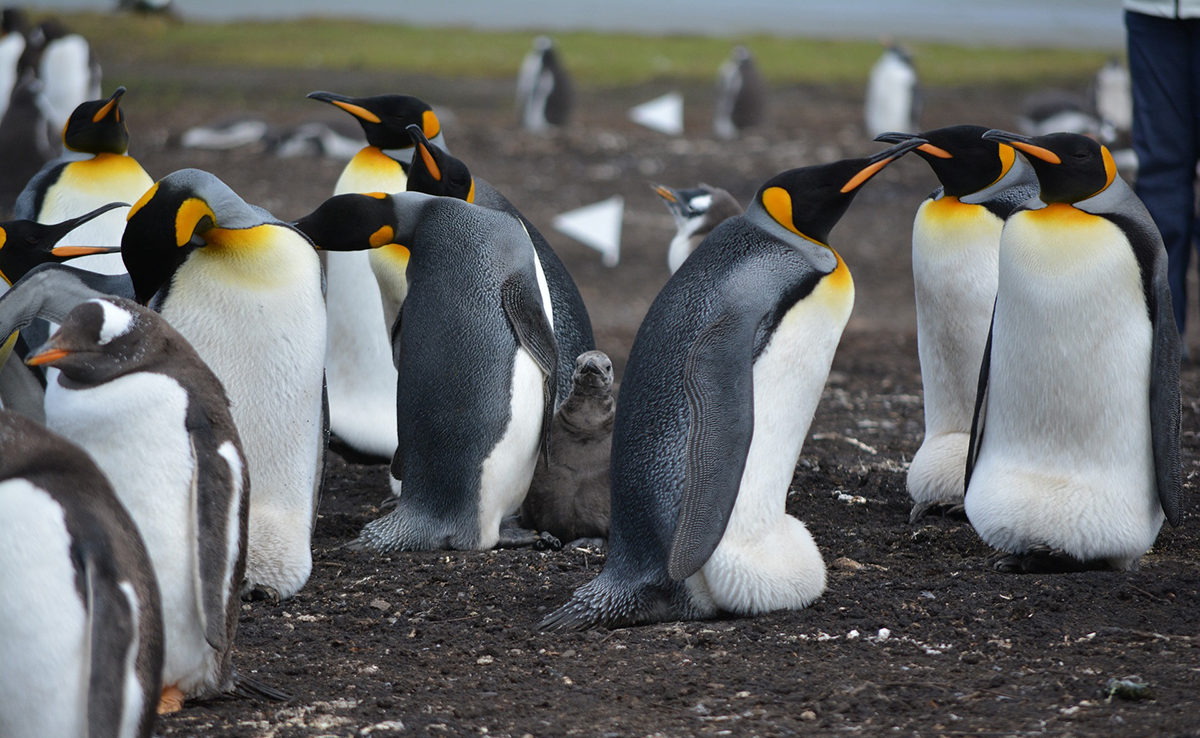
column 663, row 114
column 597, row 225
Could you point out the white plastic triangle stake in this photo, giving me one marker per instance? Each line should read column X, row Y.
column 663, row 114
column 597, row 225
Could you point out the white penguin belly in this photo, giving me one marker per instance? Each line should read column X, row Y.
column 134, row 428
column 767, row 560
column 1066, row 458
column 271, row 364
column 955, row 253
column 43, row 676
column 889, row 101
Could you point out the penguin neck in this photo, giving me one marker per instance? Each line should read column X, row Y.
column 372, row 170
column 821, row 255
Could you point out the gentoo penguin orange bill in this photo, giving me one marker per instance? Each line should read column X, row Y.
column 741, row 96
column 245, row 290
column 473, row 412
column 135, row 395
column 545, row 94
column 716, row 400
column 70, row 186
column 1074, row 455
column 956, row 247
column 80, row 627
column 358, row 357
column 697, row 212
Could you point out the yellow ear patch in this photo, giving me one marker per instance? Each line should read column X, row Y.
column 142, row 201
column 3, row 237
column 188, row 216
column 430, row 125
column 382, row 237
column 866, row 173
column 434, row 170
column 357, row 111
column 1037, row 152
column 99, row 116
column 937, row 151
column 1008, row 157
column 471, row 194
column 778, row 203
column 1110, row 167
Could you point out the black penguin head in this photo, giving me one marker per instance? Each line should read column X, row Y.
column 352, row 223
column 25, row 244
column 593, row 373
column 962, row 159
column 1070, row 166
column 686, row 204
column 102, row 339
column 98, row 127
column 809, row 201
column 435, row 172
column 385, row 118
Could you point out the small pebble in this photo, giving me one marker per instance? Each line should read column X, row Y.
column 381, row 604
column 808, row 715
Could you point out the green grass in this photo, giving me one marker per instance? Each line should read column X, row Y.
column 594, row 59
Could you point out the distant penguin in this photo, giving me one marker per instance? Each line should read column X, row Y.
column 1060, row 111
column 1074, row 456
column 227, row 133
column 358, row 360
column 69, row 69
column 956, row 247
column 72, row 185
column 135, row 395
column 80, row 627
column 741, row 96
column 435, row 172
column 245, row 290
column 26, row 141
column 12, row 47
column 716, row 400
column 894, row 99
column 1113, row 95
column 697, row 212
column 545, row 94
column 476, row 388
column 569, row 494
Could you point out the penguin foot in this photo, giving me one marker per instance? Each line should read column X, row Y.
column 595, row 544
column 512, row 535
column 261, row 593
column 954, row 510
column 389, row 503
column 1044, row 560
column 171, row 700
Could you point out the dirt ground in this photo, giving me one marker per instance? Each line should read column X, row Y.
column 915, row 635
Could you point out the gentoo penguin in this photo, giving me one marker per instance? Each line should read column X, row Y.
column 741, row 95
column 545, row 94
column 569, row 496
column 1074, row 454
column 358, row 360
column 81, row 644
column 69, row 69
column 26, row 141
column 30, row 244
column 477, row 371
column 956, row 247
column 12, row 46
column 135, row 395
column 70, row 186
column 722, row 381
column 245, row 290
column 893, row 100
column 697, row 212
column 436, row 172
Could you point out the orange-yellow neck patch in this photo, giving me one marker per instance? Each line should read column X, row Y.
column 1060, row 213
column 382, row 237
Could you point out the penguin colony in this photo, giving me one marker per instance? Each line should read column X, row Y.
column 174, row 459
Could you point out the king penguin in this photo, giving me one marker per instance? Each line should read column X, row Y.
column 721, row 385
column 80, row 627
column 741, row 96
column 135, row 395
column 697, row 212
column 245, row 290
column 1074, row 457
column 12, row 47
column 26, row 141
column 358, row 360
column 955, row 251
column 476, row 387
column 30, row 244
column 70, row 186
column 545, row 94
column 893, row 101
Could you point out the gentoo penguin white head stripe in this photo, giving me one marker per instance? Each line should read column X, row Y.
column 697, row 212
column 384, row 119
column 25, row 244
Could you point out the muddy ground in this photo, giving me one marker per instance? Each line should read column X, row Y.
column 915, row 635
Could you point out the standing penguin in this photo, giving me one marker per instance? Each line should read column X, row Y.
column 741, row 96
column 720, row 389
column 477, row 381
column 68, row 66
column 70, row 186
column 358, row 359
column 12, row 47
column 26, row 141
column 136, row 396
column 1074, row 455
column 545, row 94
column 893, row 100
column 956, row 247
column 245, row 290
column 80, row 627
column 697, row 212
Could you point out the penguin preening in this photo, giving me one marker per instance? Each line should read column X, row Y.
column 741, row 96
column 956, row 247
column 476, row 373
column 81, row 645
column 893, row 101
column 358, row 359
column 545, row 94
column 1074, row 457
column 716, row 400
column 697, row 212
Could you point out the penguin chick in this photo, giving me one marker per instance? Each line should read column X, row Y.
column 81, row 644
column 569, row 495
column 697, row 212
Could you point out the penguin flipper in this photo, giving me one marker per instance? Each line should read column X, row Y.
column 111, row 634
column 21, row 392
column 522, row 307
column 719, row 385
column 1165, row 410
column 980, row 414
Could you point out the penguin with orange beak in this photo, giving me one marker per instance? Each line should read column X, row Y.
column 25, row 244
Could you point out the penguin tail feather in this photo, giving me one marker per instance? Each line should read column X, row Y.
column 249, row 688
